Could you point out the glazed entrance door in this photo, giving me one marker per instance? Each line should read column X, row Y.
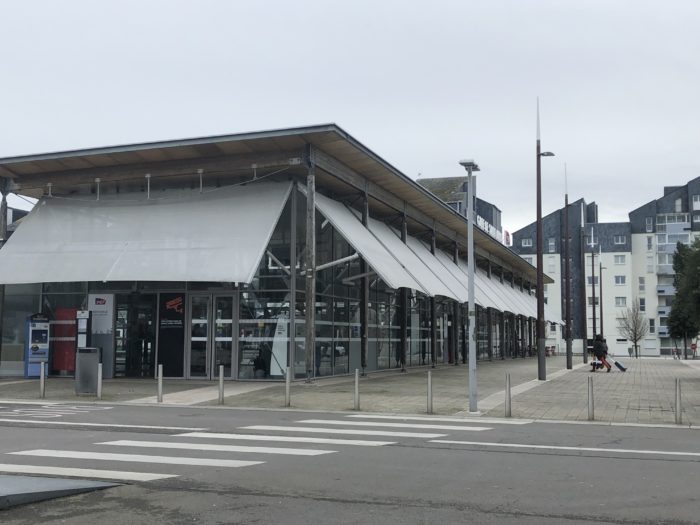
column 212, row 335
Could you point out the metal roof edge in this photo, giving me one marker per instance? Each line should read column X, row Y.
column 139, row 146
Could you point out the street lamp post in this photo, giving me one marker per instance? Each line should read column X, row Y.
column 471, row 166
column 541, row 365
column 600, row 287
column 567, row 277
column 593, row 282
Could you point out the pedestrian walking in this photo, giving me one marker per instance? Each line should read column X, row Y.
column 600, row 350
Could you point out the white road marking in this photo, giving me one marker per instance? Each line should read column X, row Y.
column 317, row 430
column 118, row 475
column 136, row 458
column 218, row 448
column 288, row 439
column 99, row 425
column 392, row 425
column 448, row 419
column 575, row 449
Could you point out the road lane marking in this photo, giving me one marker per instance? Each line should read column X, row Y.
column 137, row 458
column 119, row 475
column 218, row 448
column 392, row 425
column 288, row 439
column 99, row 425
column 574, row 449
column 317, row 430
column 447, row 419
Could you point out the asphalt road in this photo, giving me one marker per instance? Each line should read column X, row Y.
column 209, row 465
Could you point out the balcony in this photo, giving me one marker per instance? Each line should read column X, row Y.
column 664, row 269
column 666, row 289
column 663, row 311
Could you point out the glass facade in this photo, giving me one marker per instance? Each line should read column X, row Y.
column 256, row 330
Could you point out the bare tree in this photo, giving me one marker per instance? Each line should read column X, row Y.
column 633, row 326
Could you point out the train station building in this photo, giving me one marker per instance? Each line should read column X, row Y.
column 202, row 253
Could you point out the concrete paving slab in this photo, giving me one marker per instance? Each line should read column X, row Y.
column 21, row 490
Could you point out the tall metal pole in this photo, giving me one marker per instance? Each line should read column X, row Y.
column 310, row 314
column 567, row 276
column 3, row 239
column 364, row 294
column 583, row 296
column 541, row 365
column 593, row 282
column 600, row 284
column 471, row 306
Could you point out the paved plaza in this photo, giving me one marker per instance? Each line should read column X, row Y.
column 644, row 394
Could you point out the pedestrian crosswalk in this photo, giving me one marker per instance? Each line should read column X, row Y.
column 310, row 438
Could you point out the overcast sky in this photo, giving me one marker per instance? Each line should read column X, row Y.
column 423, row 84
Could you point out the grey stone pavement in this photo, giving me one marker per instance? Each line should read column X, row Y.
column 644, row 394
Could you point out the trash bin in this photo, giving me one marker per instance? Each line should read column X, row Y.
column 86, row 361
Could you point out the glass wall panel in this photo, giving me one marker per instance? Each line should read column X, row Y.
column 21, row 301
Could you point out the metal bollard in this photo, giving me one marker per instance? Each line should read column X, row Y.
column 357, row 389
column 430, row 392
column 99, row 381
column 221, row 384
column 160, row 383
column 679, row 406
column 288, row 388
column 42, row 380
column 508, row 409
column 591, row 408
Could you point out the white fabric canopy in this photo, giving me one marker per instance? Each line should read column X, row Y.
column 420, row 272
column 219, row 235
column 456, row 288
column 351, row 228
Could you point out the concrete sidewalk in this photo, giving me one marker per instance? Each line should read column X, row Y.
column 644, row 394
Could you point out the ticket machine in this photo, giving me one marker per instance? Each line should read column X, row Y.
column 36, row 345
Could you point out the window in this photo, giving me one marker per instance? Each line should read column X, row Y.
column 619, row 259
column 679, row 205
column 661, row 238
column 620, row 239
column 620, row 280
column 592, row 280
column 621, row 302
column 527, row 242
column 642, row 304
column 528, row 260
column 551, row 265
column 642, row 284
column 456, row 206
column 674, row 238
column 590, row 301
column 696, row 202
column 650, row 224
column 553, row 328
column 650, row 264
column 551, row 245
column 650, row 243
column 591, row 240
column 652, row 326
column 696, row 217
